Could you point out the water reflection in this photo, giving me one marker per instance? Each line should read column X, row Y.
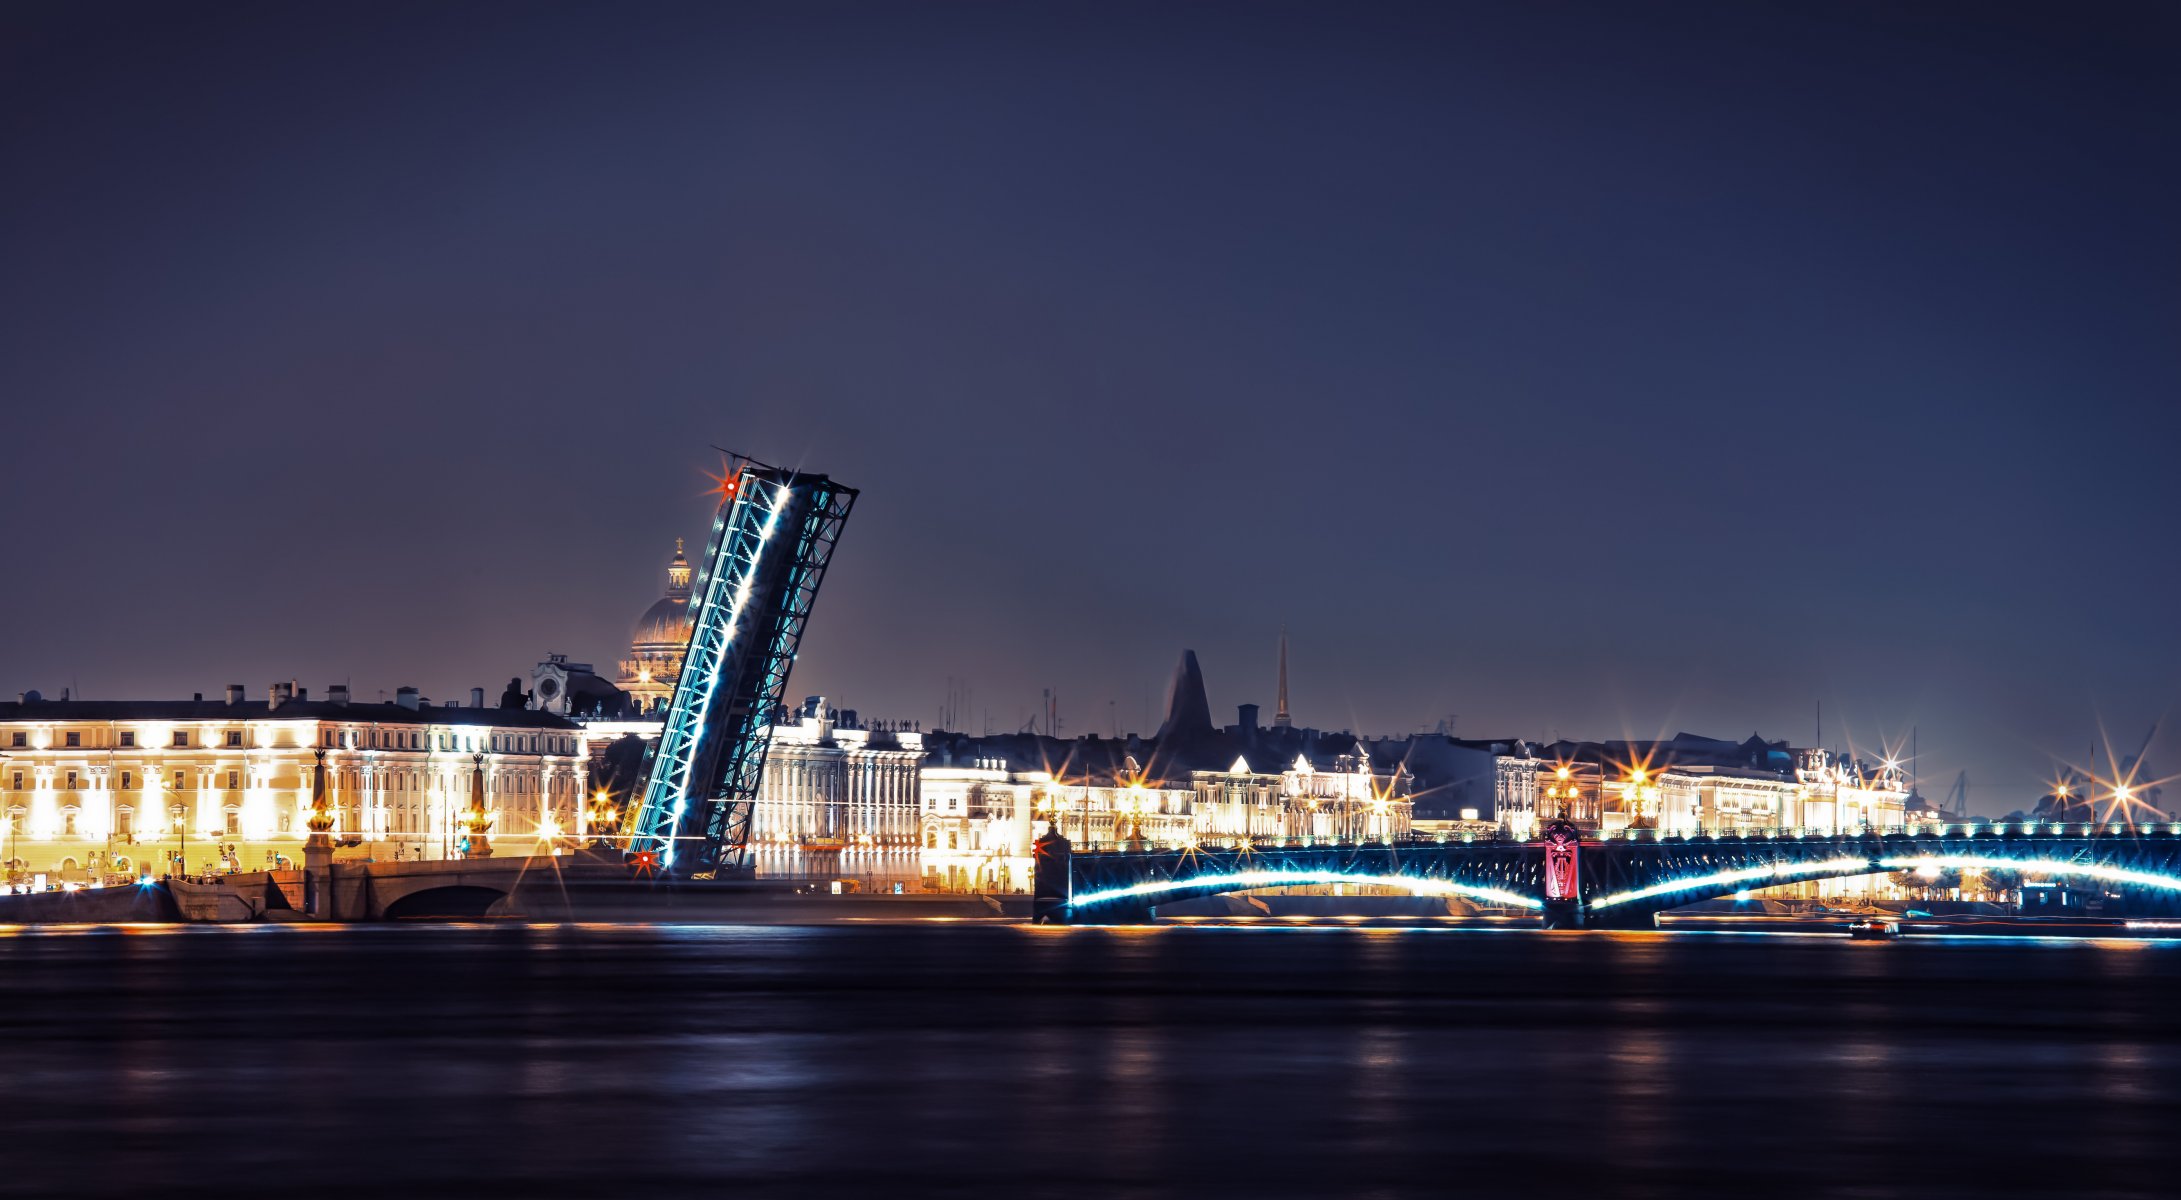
column 1160, row 1063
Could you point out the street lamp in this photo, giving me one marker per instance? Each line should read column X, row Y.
column 605, row 818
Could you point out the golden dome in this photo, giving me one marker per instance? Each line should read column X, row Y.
column 665, row 623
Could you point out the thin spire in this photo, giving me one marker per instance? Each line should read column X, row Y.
column 1280, row 718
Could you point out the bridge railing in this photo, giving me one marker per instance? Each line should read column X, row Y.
column 2090, row 829
column 2120, row 829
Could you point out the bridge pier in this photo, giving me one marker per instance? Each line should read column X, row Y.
column 1052, row 881
column 1564, row 914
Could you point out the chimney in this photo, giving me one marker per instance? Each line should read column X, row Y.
column 197, row 696
column 302, row 693
column 406, row 697
column 234, row 693
column 1246, row 714
column 477, row 697
column 279, row 694
column 337, row 693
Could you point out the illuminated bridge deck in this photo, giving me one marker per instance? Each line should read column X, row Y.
column 1624, row 879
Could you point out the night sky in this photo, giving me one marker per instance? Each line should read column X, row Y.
column 1585, row 370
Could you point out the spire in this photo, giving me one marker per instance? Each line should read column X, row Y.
column 1280, row 719
column 677, row 574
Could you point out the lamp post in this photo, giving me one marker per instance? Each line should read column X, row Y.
column 1633, row 796
column 605, row 819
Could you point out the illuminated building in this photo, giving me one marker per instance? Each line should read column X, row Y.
column 1842, row 794
column 99, row 789
column 1464, row 783
column 1691, row 784
column 838, row 800
column 660, row 639
column 985, row 800
column 981, row 816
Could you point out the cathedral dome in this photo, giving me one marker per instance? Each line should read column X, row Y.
column 665, row 623
column 660, row 640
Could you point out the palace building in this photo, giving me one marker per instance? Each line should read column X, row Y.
column 838, row 800
column 104, row 790
column 986, row 799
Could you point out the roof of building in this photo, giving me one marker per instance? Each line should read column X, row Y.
column 666, row 622
column 292, row 710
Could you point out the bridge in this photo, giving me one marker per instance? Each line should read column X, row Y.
column 1620, row 880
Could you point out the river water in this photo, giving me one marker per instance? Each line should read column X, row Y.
column 961, row 1059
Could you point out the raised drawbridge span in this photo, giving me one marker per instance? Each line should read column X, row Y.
column 1622, row 880
column 763, row 562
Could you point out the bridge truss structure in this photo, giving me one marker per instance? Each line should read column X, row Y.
column 766, row 555
column 1623, row 880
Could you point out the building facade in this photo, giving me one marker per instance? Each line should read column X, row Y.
column 95, row 791
column 982, row 814
column 838, row 801
column 1691, row 784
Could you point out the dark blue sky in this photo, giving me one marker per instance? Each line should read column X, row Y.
column 1582, row 369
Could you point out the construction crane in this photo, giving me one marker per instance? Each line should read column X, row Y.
column 767, row 554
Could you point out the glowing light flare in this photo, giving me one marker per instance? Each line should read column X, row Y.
column 1244, row 880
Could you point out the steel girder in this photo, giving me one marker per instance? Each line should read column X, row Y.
column 1610, row 868
column 766, row 555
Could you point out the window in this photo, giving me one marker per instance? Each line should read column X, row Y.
column 125, row 823
column 234, row 780
column 18, row 739
column 181, row 737
column 127, row 781
column 234, row 822
column 18, row 785
column 74, row 740
column 234, row 737
column 177, row 781
column 128, row 737
column 71, row 781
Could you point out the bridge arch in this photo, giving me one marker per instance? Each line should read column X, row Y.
column 451, row 902
column 1680, row 890
column 1215, row 883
